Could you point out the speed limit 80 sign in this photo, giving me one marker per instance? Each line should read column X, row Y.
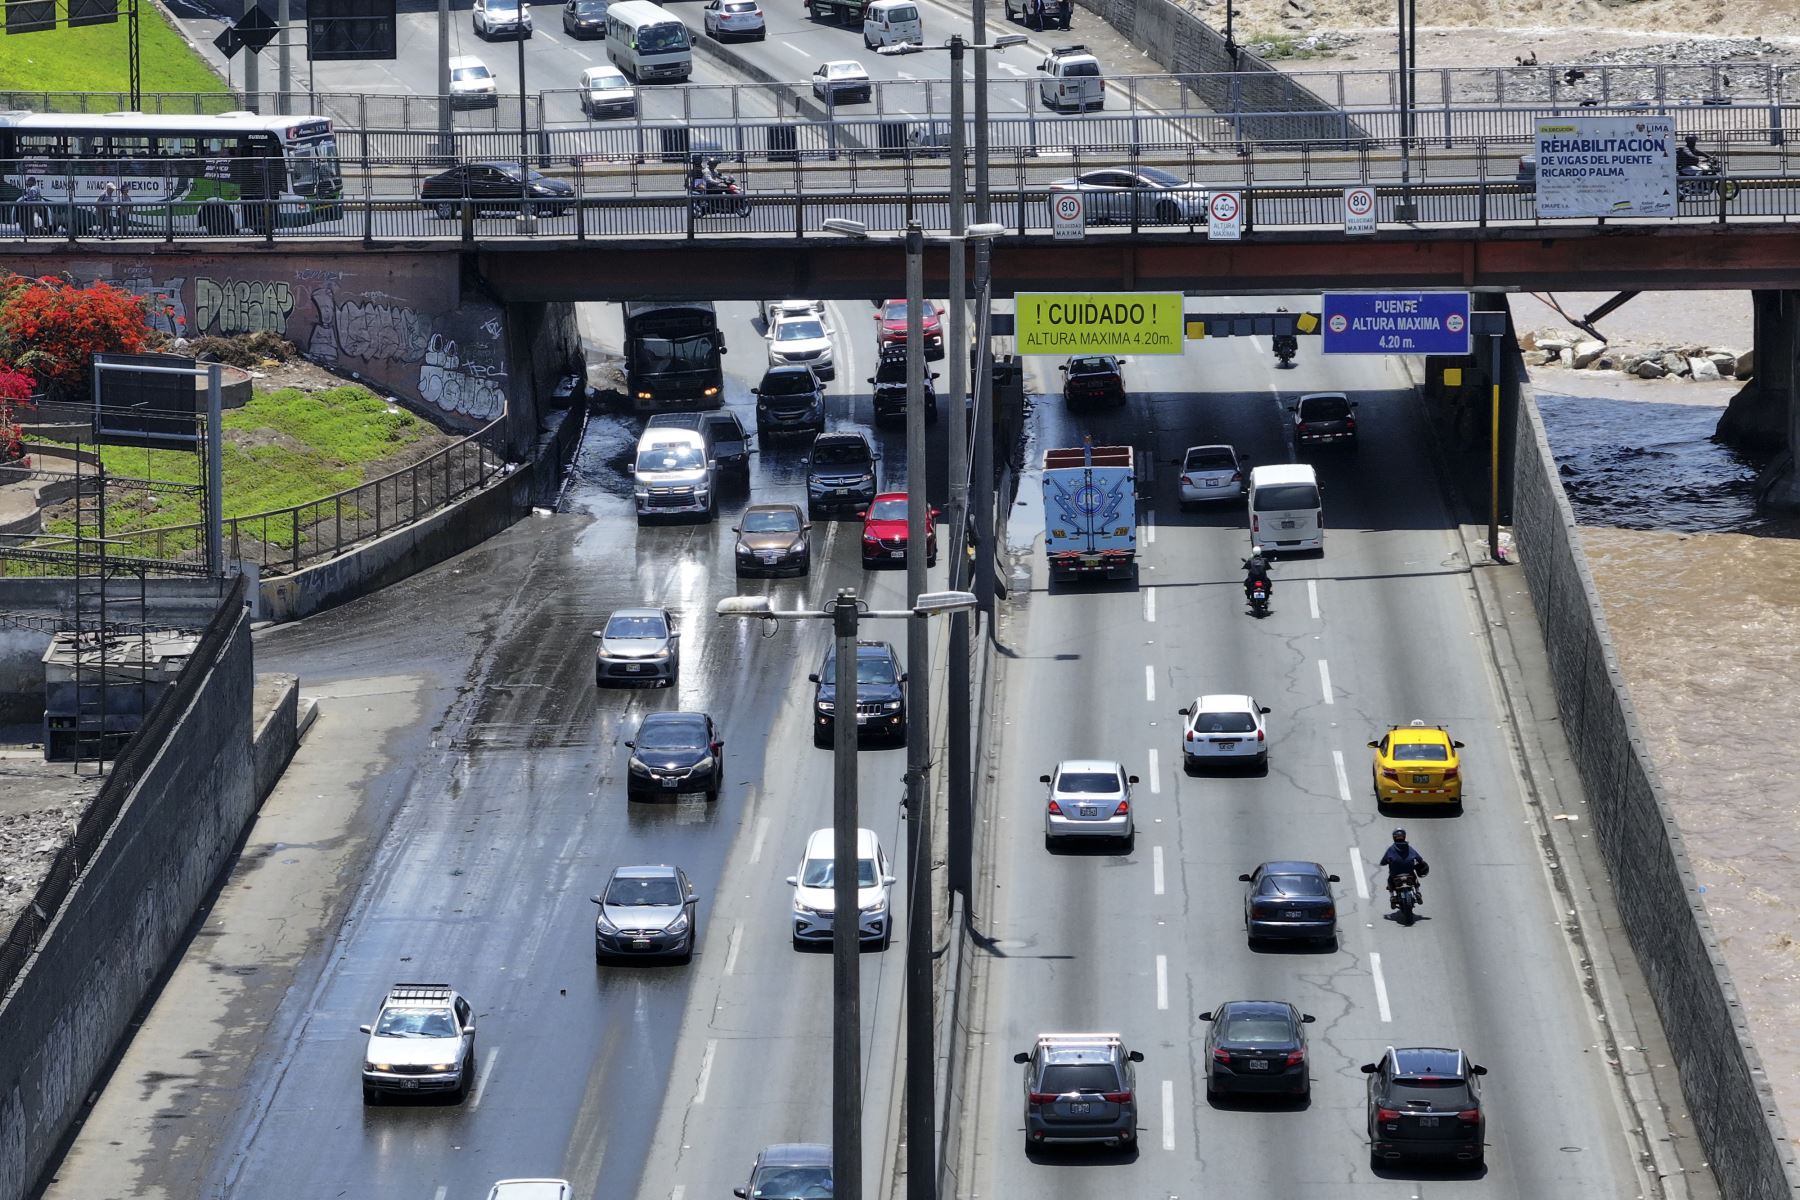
column 1359, row 210
column 1068, row 216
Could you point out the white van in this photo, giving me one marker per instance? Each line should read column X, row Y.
column 1069, row 78
column 675, row 472
column 1285, row 513
column 648, row 42
column 888, row 21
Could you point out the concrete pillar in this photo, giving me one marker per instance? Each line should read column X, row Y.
column 1758, row 416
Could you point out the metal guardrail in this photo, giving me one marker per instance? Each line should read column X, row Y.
column 285, row 539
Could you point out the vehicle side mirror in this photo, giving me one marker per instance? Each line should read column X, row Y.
column 1243, row 879
column 1368, row 1068
column 1043, row 779
column 1124, row 362
column 1458, row 745
column 599, row 633
column 631, row 468
column 793, row 881
column 737, row 529
column 887, row 881
column 1334, row 879
column 876, row 457
column 631, row 745
column 756, row 391
column 1207, row 1015
column 1374, row 745
column 1136, row 1056
column 1293, row 408
column 812, row 678
column 862, row 514
column 1353, row 404
column 596, row 900
column 366, row 1028
column 1478, row 1070
column 871, row 379
column 1131, row 779
column 740, row 1193
column 1263, row 711
column 934, row 374
column 903, row 677
column 1306, row 1018
column 1064, row 367
column 1185, row 711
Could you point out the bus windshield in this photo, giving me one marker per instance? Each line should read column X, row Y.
column 657, row 38
column 313, row 167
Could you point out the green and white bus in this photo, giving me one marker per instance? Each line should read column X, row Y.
column 212, row 174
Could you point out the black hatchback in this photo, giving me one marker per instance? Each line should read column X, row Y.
column 1425, row 1102
column 1324, row 418
column 1257, row 1046
column 675, row 752
column 1290, row 899
column 493, row 187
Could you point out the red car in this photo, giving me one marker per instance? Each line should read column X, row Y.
column 890, row 327
column 884, row 531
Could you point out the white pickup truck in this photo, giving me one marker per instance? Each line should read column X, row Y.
column 1090, row 511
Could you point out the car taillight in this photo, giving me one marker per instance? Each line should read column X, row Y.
column 1261, row 911
column 1237, row 477
column 1387, row 1114
column 1255, row 523
column 1187, row 481
column 1390, row 773
column 1055, row 809
column 1124, row 807
column 1259, row 735
column 1222, row 1056
column 1300, row 427
column 1116, row 1097
column 1040, row 1097
column 1328, row 913
column 1349, row 422
column 1450, row 772
column 1296, row 1057
column 1469, row 1115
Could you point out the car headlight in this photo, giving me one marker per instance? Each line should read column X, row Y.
column 807, row 910
column 642, row 493
column 892, row 706
column 375, row 1066
column 637, row 767
column 679, row 924
column 605, row 926
column 443, row 1068
column 880, row 906
column 826, row 706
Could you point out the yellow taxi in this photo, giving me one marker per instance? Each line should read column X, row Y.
column 1417, row 764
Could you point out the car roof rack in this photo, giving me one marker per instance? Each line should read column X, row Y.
column 420, row 991
column 1076, row 49
column 1105, row 1038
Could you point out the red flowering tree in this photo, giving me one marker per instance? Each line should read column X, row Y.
column 51, row 329
column 15, row 398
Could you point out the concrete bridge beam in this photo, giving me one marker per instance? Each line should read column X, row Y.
column 1765, row 414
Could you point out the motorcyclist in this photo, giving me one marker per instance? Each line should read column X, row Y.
column 703, row 175
column 1690, row 159
column 1401, row 859
column 1256, row 571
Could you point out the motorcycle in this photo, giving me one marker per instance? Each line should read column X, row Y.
column 1700, row 182
column 1286, row 346
column 718, row 196
column 1259, row 599
column 1405, row 894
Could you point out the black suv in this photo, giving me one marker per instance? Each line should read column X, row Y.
column 880, row 696
column 889, row 381
column 1425, row 1102
column 790, row 399
column 1094, row 378
column 1324, row 417
column 840, row 473
column 722, row 430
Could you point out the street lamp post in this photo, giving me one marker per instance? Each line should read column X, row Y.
column 446, row 121
column 1405, row 32
column 525, row 221
column 846, row 613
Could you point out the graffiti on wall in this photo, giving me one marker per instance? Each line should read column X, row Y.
column 231, row 306
column 164, row 307
column 474, row 389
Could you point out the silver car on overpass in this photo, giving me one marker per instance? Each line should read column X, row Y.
column 1161, row 197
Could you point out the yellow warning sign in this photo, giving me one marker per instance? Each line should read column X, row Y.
column 1062, row 323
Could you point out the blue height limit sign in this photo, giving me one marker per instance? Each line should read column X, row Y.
column 1395, row 322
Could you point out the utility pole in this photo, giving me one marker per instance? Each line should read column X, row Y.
column 252, row 76
column 978, row 17
column 446, row 139
column 846, row 916
column 284, row 104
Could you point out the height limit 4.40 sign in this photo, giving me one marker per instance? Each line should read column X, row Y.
column 1395, row 322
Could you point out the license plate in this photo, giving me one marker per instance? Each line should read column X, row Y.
column 1421, row 780
column 1090, row 560
column 1088, row 810
column 1428, row 1122
column 770, row 556
column 1230, row 745
column 842, row 491
column 1294, row 914
column 1079, row 1109
column 669, row 783
column 896, row 554
column 1258, row 1064
column 1287, row 524
column 634, row 668
column 640, row 943
column 862, row 718
column 1214, row 482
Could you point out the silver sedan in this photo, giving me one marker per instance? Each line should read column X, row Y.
column 1088, row 798
column 1161, row 198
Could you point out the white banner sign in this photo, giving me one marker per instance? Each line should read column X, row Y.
column 1606, row 166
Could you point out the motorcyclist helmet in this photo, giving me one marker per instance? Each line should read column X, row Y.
column 712, row 164
column 1256, row 552
column 1693, row 141
column 1400, row 837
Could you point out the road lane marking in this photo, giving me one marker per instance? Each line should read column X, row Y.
column 1009, row 68
column 580, row 55
column 678, row 1192
column 1337, row 764
column 1155, row 774
column 487, row 1074
column 1380, row 987
column 1015, row 102
column 1168, row 1114
column 737, row 937
column 756, row 843
column 1325, row 680
column 1312, row 597
column 905, row 74
column 1162, row 981
column 712, row 1045
column 797, row 50
column 1150, row 683
column 1156, row 869
column 443, row 1190
column 1362, row 880
column 1150, row 604
column 1150, row 529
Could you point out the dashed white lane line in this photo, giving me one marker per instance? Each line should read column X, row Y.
column 1312, row 597
column 1150, row 604
column 1337, row 764
column 797, row 50
column 1168, row 1113
column 1009, row 68
column 1381, row 1001
column 731, row 953
column 712, row 1046
column 1156, row 869
column 1015, row 102
column 1162, row 981
column 1325, row 680
column 756, row 843
column 1150, row 683
column 678, row 1192
column 443, row 1190
column 1150, row 529
column 1362, row 879
column 486, row 1078
column 580, row 55
column 1155, row 774
column 905, row 74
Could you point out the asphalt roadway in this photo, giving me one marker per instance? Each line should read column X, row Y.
column 488, row 809
column 1381, row 629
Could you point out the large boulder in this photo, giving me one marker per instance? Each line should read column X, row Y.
column 1702, row 369
column 1675, row 364
column 1585, row 353
column 1648, row 368
column 1745, row 367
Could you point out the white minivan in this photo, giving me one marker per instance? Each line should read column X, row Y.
column 886, row 22
column 675, row 473
column 648, row 42
column 1285, row 513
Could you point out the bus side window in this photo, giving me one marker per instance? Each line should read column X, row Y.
column 40, row 145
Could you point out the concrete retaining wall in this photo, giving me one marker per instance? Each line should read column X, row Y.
column 444, row 534
column 178, row 603
column 1659, row 902
column 21, row 674
column 187, row 803
column 279, row 734
column 1185, row 45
